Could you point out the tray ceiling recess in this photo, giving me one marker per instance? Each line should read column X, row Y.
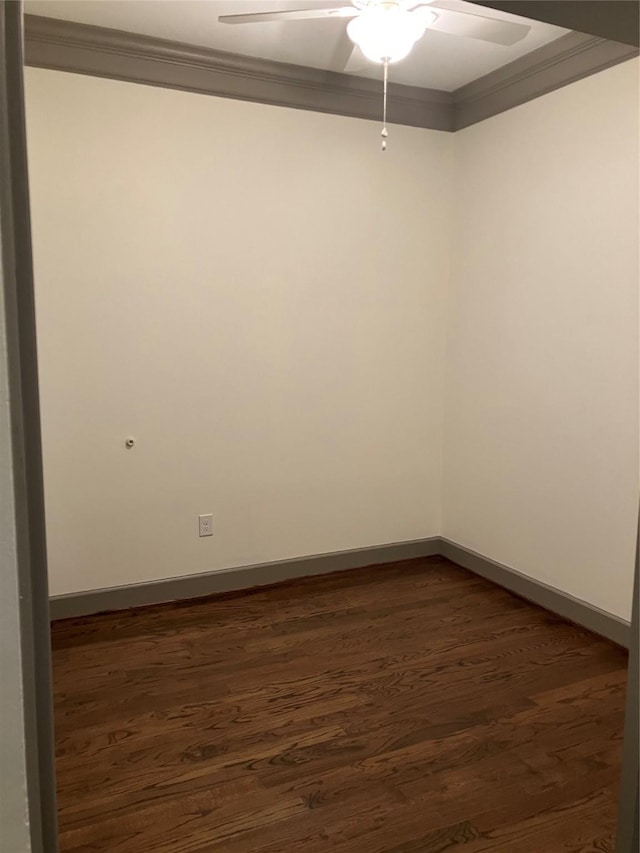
column 451, row 77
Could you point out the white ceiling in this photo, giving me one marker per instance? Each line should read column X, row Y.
column 438, row 60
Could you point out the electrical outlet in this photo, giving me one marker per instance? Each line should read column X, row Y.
column 205, row 525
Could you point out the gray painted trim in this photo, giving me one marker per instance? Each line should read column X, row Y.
column 243, row 577
column 101, row 52
column 27, row 479
column 564, row 61
column 565, row 605
column 609, row 19
column 627, row 836
column 264, row 574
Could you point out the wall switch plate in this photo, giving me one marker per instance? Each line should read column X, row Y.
column 205, row 525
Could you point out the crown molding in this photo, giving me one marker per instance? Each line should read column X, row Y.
column 564, row 61
column 101, row 52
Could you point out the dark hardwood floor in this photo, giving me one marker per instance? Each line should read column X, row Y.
column 410, row 708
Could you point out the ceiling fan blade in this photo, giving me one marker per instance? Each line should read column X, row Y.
column 452, row 20
column 342, row 53
column 290, row 15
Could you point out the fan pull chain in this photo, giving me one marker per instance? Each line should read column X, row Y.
column 385, row 132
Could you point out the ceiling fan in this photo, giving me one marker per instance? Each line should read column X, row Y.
column 386, row 30
column 396, row 25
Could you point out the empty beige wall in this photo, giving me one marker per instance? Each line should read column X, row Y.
column 257, row 295
column 541, row 430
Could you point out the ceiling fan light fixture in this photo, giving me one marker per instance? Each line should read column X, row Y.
column 387, row 33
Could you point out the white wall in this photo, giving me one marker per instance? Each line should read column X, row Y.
column 257, row 295
column 541, row 425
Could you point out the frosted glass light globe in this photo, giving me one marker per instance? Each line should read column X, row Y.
column 384, row 33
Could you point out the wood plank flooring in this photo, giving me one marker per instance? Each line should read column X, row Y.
column 410, row 708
